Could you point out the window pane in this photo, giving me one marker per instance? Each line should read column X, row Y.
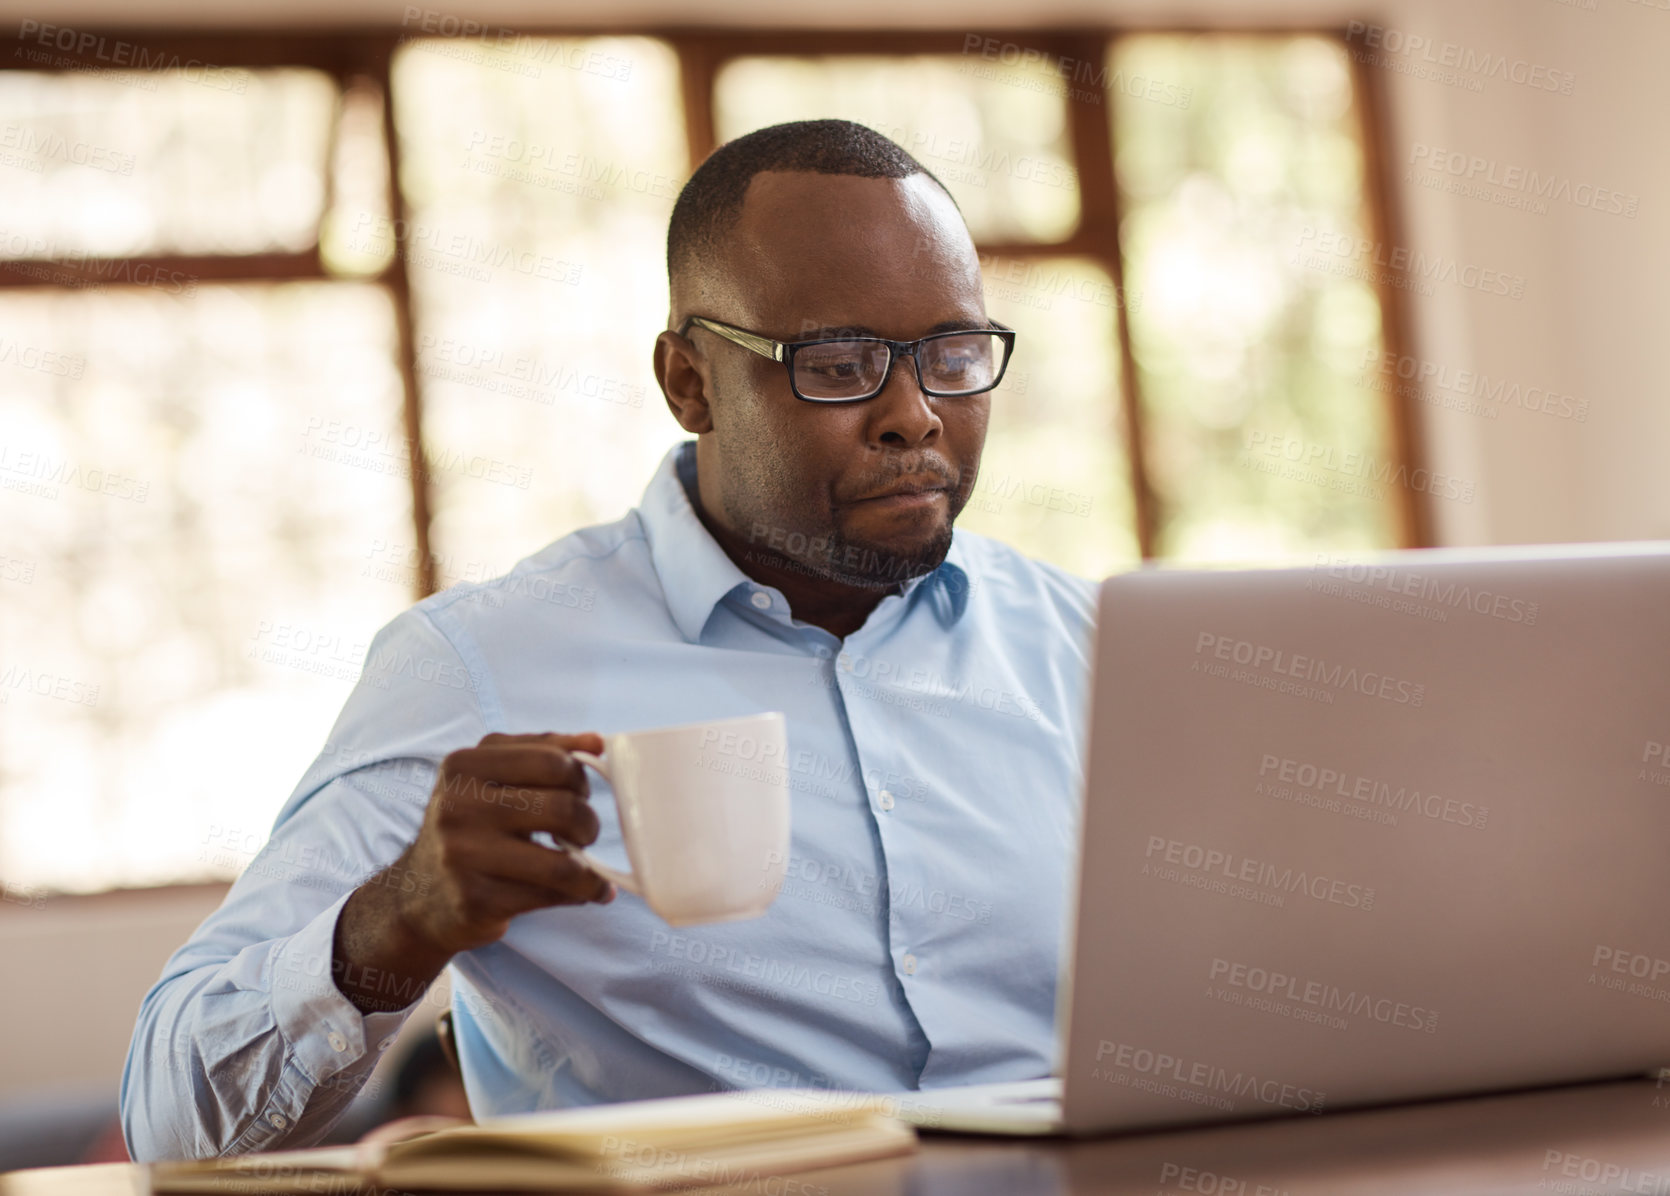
column 359, row 188
column 994, row 134
column 125, row 163
column 1055, row 479
column 540, row 180
column 1249, row 346
column 196, row 495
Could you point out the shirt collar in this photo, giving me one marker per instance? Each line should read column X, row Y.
column 696, row 574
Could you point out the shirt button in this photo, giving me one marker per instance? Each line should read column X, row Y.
column 844, row 662
column 278, row 1121
column 338, row 1043
column 386, row 1043
column 884, row 799
column 761, row 599
column 909, row 964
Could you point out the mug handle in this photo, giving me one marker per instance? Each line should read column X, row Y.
column 624, row 879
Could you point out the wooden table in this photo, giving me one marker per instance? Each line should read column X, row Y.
column 1581, row 1141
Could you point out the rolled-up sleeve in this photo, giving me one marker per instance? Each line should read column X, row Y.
column 245, row 1043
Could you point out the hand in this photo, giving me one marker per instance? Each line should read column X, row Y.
column 474, row 866
column 475, row 847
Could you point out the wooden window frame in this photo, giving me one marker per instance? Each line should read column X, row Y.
column 702, row 53
column 349, row 56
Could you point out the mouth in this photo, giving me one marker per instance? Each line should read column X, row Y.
column 903, row 500
column 906, row 494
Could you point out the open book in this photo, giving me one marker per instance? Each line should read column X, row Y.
column 721, row 1138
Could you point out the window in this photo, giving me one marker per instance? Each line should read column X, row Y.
column 295, row 331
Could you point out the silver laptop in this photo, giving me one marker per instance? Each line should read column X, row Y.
column 1368, row 831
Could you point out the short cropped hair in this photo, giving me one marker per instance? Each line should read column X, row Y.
column 711, row 201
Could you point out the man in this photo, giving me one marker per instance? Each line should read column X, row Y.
column 799, row 556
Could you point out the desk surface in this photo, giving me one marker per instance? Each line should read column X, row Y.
column 1582, row 1141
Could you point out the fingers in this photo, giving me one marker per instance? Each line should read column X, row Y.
column 520, row 783
column 585, row 741
column 516, row 809
column 544, row 764
column 542, row 876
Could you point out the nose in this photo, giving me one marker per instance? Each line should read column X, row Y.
column 900, row 413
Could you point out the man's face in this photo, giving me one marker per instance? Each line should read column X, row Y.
column 826, row 255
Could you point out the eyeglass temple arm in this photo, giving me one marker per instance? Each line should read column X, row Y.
column 764, row 346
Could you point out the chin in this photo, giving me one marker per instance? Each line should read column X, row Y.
column 871, row 560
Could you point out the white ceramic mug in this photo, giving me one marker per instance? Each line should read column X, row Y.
column 704, row 811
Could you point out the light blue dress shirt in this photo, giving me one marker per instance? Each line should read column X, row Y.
column 936, row 773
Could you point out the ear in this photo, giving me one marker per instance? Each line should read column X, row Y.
column 682, row 374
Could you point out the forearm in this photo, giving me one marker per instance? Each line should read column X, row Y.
column 378, row 961
column 250, row 1052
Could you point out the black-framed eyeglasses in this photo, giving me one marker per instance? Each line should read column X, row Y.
column 849, row 369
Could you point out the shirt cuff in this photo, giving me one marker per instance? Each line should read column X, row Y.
column 325, row 1031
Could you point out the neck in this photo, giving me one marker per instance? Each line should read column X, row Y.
column 838, row 607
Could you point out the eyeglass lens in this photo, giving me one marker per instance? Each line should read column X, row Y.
column 958, row 363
